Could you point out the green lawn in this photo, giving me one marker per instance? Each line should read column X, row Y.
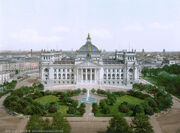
column 62, row 108
column 151, row 80
column 114, row 108
column 47, row 99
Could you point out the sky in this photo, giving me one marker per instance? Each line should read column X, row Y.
column 152, row 25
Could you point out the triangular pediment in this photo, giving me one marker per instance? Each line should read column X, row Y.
column 88, row 64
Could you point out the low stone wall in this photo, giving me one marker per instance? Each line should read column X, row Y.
column 72, row 87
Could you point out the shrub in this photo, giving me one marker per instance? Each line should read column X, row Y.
column 84, row 90
column 99, row 91
column 81, row 110
column 147, row 109
column 138, row 109
column 94, row 108
column 83, row 105
column 111, row 99
column 71, row 110
column 74, row 103
column 119, row 93
column 105, row 109
column 93, row 91
column 102, row 102
column 52, row 109
column 123, row 108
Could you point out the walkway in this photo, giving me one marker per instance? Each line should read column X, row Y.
column 169, row 121
column 88, row 123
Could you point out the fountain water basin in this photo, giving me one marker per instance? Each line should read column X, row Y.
column 88, row 99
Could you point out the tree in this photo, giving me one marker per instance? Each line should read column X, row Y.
column 141, row 124
column 118, row 125
column 59, row 123
column 84, row 90
column 93, row 91
column 35, row 123
column 138, row 109
column 17, row 71
column 145, row 71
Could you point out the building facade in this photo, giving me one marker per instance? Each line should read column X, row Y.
column 88, row 66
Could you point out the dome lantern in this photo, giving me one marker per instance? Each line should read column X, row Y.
column 88, row 38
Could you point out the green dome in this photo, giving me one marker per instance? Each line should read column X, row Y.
column 88, row 47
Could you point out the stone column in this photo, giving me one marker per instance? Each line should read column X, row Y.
column 81, row 74
column 76, row 78
column 65, row 73
column 86, row 74
column 90, row 75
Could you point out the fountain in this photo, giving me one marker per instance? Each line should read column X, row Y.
column 88, row 99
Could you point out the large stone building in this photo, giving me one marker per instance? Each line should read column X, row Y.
column 88, row 66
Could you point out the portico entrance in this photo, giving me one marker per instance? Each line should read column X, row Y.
column 87, row 75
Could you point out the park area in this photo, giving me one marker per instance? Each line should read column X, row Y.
column 88, row 118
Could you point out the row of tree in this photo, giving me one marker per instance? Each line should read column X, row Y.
column 168, row 77
column 7, row 87
column 38, row 124
column 173, row 69
column 158, row 98
column 139, row 124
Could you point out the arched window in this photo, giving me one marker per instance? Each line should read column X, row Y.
column 46, row 70
column 130, row 70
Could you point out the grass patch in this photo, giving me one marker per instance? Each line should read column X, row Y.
column 151, row 80
column 61, row 108
column 47, row 99
column 114, row 109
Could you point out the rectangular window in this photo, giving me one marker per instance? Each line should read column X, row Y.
column 109, row 76
column 93, row 77
column 104, row 76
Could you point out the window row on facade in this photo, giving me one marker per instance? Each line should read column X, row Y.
column 64, row 70
column 112, row 70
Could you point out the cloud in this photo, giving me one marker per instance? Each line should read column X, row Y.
column 133, row 28
column 32, row 36
column 157, row 25
column 101, row 33
column 61, row 29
